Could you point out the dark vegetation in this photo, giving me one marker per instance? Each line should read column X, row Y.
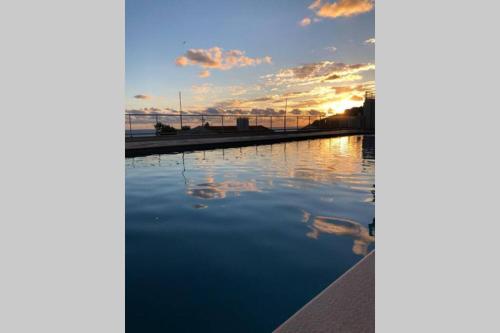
column 164, row 129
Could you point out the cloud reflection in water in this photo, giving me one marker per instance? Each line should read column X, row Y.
column 342, row 227
column 219, row 190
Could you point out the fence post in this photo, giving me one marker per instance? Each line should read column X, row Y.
column 284, row 119
column 202, row 121
column 271, row 122
column 180, row 108
column 309, row 121
column 297, row 123
column 256, row 120
column 222, row 118
column 156, row 117
column 130, row 125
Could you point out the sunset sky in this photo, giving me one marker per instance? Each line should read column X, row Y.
column 241, row 55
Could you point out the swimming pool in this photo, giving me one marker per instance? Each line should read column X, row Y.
column 237, row 240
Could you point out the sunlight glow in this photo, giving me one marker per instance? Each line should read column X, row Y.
column 339, row 106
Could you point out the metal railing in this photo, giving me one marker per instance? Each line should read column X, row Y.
column 143, row 124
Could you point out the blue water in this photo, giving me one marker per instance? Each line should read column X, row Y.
column 237, row 240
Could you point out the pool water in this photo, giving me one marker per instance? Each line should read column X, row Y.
column 239, row 239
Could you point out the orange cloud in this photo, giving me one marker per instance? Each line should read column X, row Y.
column 318, row 72
column 204, row 74
column 305, row 22
column 181, row 61
column 308, row 99
column 360, row 88
column 217, row 58
column 341, row 8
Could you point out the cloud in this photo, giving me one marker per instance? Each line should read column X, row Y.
column 149, row 110
column 317, row 72
column 204, row 74
column 263, row 99
column 360, row 88
column 146, row 116
column 181, row 61
column 333, row 77
column 217, row 58
column 305, row 22
column 344, row 78
column 315, row 5
column 341, row 8
column 238, row 90
column 218, row 110
column 142, row 96
column 370, row 41
column 315, row 113
column 344, row 89
column 299, row 101
column 201, row 89
column 308, row 99
column 331, row 48
column 273, row 112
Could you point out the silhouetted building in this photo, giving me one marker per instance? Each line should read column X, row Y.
column 369, row 111
column 242, row 124
column 338, row 121
column 355, row 111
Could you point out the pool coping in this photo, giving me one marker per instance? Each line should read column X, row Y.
column 347, row 305
column 160, row 146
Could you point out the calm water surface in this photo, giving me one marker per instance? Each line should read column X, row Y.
column 237, row 240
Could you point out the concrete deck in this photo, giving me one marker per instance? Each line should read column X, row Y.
column 347, row 305
column 157, row 145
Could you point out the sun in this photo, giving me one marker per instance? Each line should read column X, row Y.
column 338, row 107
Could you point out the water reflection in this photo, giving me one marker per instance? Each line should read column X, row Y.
column 362, row 237
column 335, row 163
column 219, row 190
column 339, row 226
column 371, row 228
column 256, row 220
column 344, row 158
column 369, row 147
column 200, row 206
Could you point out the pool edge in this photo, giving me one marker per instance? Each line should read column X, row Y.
column 144, row 148
column 346, row 305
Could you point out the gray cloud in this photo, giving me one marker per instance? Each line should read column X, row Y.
column 140, row 96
